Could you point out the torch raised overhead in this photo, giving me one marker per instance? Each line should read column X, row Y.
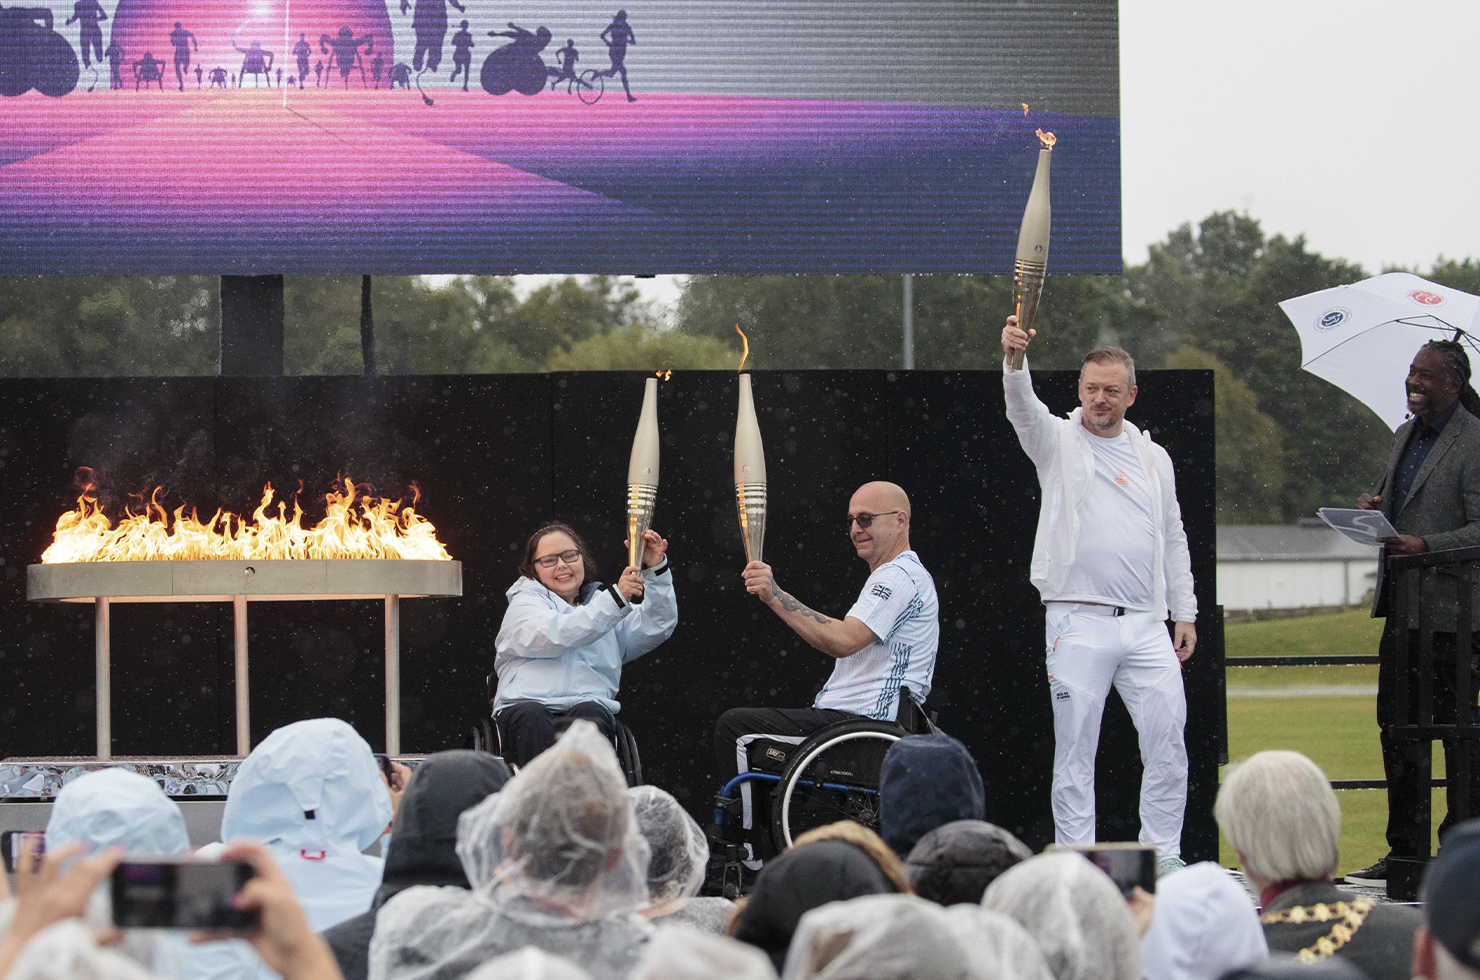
column 642, row 474
column 750, row 469
column 1031, row 265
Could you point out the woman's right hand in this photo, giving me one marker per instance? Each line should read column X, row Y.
column 630, row 584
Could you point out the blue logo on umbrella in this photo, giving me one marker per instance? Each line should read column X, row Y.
column 1332, row 319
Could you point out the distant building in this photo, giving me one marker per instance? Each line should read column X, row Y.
column 1280, row 566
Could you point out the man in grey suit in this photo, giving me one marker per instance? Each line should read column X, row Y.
column 1431, row 494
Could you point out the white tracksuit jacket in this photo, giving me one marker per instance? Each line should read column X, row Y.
column 1059, row 448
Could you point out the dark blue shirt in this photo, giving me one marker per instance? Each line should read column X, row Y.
column 1420, row 441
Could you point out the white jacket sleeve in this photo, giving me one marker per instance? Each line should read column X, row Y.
column 1176, row 559
column 1034, row 423
column 531, row 628
column 654, row 619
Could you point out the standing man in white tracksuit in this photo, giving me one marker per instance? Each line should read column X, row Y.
column 1110, row 560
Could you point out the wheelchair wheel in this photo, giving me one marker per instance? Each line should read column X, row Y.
column 483, row 737
column 627, row 755
column 832, row 776
column 590, row 86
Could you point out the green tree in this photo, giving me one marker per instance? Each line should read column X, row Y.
column 1251, row 477
column 81, row 326
column 639, row 348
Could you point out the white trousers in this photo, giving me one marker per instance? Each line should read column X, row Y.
column 1088, row 651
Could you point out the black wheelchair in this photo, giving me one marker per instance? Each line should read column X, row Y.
column 831, row 775
column 487, row 736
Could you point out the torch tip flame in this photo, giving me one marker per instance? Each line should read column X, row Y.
column 664, row 375
column 1048, row 139
column 1025, row 108
column 744, row 353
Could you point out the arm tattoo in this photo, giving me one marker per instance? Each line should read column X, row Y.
column 792, row 605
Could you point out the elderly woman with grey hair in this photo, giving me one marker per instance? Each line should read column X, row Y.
column 1281, row 816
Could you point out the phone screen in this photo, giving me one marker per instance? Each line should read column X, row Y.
column 1126, row 866
column 10, row 845
column 180, row 895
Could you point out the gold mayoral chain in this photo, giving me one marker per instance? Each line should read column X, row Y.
column 1348, row 917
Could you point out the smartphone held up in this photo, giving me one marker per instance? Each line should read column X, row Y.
column 1128, row 865
column 181, row 893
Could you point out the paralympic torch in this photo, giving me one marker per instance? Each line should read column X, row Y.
column 1031, row 265
column 750, row 470
column 642, row 474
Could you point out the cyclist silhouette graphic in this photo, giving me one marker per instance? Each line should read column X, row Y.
column 617, row 36
column 517, row 67
column 567, row 57
column 182, row 40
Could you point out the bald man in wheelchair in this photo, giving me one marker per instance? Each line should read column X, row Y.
column 888, row 639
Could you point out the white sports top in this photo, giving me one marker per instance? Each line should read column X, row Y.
column 1113, row 558
column 898, row 604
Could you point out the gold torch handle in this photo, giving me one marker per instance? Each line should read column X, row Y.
column 1027, row 283
column 642, row 500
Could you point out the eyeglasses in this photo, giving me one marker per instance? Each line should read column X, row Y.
column 549, row 561
column 866, row 521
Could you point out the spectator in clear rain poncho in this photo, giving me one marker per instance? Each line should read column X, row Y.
column 529, row 963
column 313, row 793
column 902, row 937
column 678, row 857
column 423, row 849
column 956, row 862
column 681, row 952
column 555, row 860
column 1075, row 913
column 1203, row 926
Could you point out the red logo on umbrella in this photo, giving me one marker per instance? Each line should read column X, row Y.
column 1426, row 298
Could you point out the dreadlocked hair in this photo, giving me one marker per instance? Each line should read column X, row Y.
column 1457, row 362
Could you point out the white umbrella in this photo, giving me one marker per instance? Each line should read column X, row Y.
column 1362, row 337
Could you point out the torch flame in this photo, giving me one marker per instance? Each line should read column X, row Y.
column 1025, row 108
column 746, row 352
column 355, row 525
column 1048, row 139
column 664, row 374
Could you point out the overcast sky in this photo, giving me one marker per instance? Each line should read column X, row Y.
column 1356, row 123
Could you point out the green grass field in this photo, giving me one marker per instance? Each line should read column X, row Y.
column 1339, row 733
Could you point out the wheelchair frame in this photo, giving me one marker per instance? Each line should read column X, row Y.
column 487, row 736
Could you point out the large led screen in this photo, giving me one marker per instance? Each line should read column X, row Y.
column 468, row 136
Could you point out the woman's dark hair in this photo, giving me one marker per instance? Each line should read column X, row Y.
column 527, row 566
column 1457, row 363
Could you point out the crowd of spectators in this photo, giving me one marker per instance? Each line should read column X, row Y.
column 562, row 872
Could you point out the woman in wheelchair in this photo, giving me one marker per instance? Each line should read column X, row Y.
column 566, row 636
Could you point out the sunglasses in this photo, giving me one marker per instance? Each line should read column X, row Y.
column 549, row 561
column 866, row 521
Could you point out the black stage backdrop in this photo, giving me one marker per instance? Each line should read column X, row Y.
column 499, row 455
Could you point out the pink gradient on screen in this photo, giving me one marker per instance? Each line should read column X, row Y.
column 141, row 26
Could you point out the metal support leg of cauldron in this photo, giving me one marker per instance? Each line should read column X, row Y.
column 393, row 675
column 104, row 678
column 243, row 693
